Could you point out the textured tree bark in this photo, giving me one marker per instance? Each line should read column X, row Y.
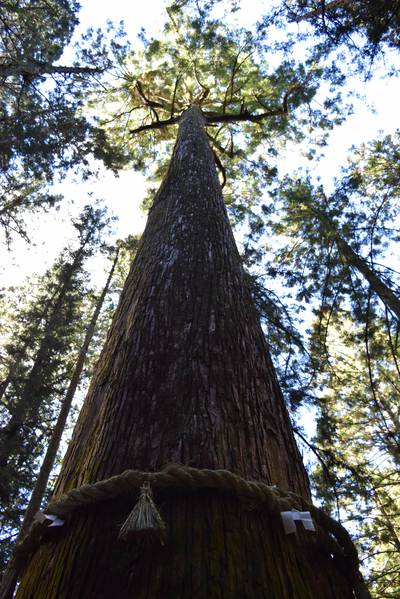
column 185, row 377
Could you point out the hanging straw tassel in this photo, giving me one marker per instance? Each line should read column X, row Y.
column 144, row 521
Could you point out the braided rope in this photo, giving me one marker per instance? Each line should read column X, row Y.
column 332, row 535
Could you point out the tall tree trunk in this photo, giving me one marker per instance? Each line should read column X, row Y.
column 185, row 377
column 10, row 577
column 377, row 285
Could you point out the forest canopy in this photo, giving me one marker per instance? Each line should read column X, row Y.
column 311, row 182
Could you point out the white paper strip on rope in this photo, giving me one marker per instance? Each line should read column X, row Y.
column 288, row 519
column 55, row 521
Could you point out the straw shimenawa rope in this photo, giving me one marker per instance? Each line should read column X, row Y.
column 145, row 517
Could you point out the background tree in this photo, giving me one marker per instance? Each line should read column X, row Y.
column 357, row 441
column 354, row 34
column 38, row 492
column 364, row 27
column 39, row 364
column 360, row 31
column 345, row 233
column 358, row 220
column 42, row 127
column 331, row 255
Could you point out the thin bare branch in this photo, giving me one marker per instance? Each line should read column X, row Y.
column 147, row 100
column 155, row 125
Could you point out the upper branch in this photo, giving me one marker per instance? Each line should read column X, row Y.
column 147, row 101
column 177, row 81
column 212, row 117
column 38, row 69
column 155, row 125
column 322, row 10
column 243, row 116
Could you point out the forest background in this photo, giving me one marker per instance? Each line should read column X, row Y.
column 314, row 204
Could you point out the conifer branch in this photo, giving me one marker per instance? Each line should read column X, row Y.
column 37, row 69
column 216, row 117
column 245, row 115
column 147, row 101
column 230, row 85
column 155, row 125
column 206, row 90
column 322, row 10
column 231, row 153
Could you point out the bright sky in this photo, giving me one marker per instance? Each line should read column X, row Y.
column 123, row 194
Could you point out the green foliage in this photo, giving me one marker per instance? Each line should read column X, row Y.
column 42, row 126
column 355, row 33
column 348, row 368
column 310, row 223
column 38, row 357
column 365, row 27
column 251, row 106
column 292, row 249
column 358, row 441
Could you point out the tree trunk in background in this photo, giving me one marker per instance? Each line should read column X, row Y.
column 22, row 352
column 31, row 399
column 377, row 285
column 185, row 377
column 55, row 439
column 10, row 577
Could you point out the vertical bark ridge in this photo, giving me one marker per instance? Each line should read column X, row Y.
column 185, row 377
